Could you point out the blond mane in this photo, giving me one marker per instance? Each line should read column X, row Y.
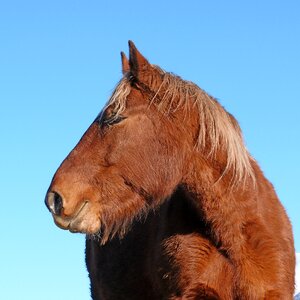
column 218, row 129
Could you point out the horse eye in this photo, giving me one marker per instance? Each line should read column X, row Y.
column 113, row 119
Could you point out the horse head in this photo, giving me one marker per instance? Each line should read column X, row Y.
column 130, row 159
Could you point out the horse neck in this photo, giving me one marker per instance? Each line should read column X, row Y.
column 206, row 179
column 177, row 215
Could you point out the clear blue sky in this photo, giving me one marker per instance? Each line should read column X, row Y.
column 59, row 61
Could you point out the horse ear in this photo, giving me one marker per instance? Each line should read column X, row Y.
column 142, row 70
column 125, row 63
column 139, row 65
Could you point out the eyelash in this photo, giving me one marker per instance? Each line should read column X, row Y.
column 111, row 120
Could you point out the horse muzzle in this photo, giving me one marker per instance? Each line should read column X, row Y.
column 55, row 205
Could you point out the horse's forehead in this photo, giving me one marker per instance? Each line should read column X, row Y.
column 136, row 97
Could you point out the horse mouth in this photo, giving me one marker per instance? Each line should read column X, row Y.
column 72, row 223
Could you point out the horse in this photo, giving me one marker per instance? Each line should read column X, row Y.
column 172, row 204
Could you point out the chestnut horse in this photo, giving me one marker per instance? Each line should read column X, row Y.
column 171, row 202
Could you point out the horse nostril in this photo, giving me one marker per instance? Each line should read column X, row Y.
column 54, row 202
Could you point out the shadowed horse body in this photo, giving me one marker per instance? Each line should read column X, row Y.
column 147, row 262
column 172, row 203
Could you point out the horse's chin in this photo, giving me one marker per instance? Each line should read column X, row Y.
column 103, row 236
column 84, row 221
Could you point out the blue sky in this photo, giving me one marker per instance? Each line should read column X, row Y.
column 59, row 62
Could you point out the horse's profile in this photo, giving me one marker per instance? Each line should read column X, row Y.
column 172, row 203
